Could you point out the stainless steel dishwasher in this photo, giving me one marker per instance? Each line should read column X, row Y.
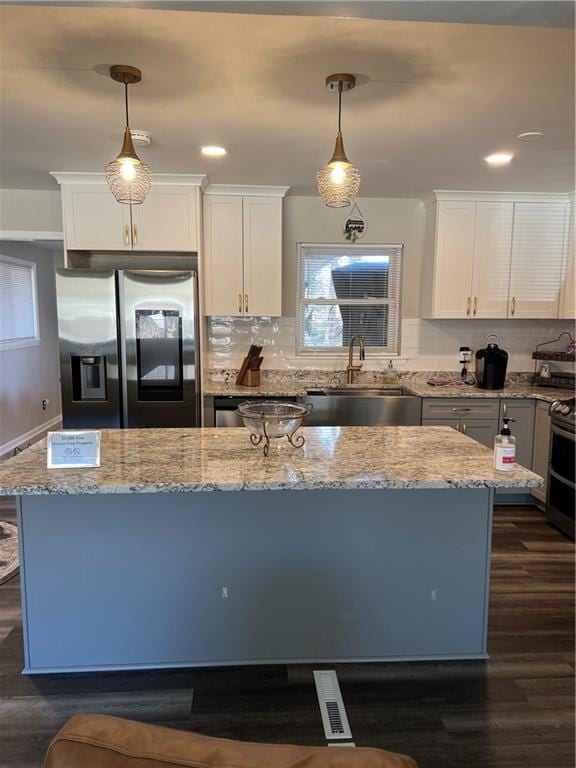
column 362, row 408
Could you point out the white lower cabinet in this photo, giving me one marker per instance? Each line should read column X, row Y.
column 243, row 253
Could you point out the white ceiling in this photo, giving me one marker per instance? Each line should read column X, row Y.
column 433, row 98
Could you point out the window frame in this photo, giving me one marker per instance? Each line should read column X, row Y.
column 28, row 341
column 331, row 352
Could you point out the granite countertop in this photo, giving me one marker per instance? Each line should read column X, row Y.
column 512, row 390
column 184, row 460
column 414, row 384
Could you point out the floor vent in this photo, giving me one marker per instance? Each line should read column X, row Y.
column 332, row 709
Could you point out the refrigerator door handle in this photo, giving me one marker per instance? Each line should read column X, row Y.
column 122, row 347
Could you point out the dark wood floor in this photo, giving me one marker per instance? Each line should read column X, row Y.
column 514, row 711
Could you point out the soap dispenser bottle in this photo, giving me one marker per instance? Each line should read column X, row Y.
column 390, row 376
column 505, row 448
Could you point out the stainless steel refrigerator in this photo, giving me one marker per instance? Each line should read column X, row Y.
column 128, row 348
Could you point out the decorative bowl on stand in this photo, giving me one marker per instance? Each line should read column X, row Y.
column 271, row 419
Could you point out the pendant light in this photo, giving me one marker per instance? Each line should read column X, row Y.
column 128, row 177
column 339, row 180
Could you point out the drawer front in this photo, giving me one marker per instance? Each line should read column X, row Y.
column 459, row 408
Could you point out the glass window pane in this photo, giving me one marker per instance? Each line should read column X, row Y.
column 159, row 353
column 333, row 325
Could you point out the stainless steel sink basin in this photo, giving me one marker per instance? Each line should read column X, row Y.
column 355, row 392
column 356, row 407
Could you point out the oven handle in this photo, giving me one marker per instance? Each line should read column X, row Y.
column 562, row 432
column 563, row 480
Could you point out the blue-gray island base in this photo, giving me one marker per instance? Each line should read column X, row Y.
column 149, row 579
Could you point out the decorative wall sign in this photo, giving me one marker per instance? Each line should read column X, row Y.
column 73, row 449
column 355, row 225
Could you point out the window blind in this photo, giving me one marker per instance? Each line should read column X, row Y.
column 348, row 290
column 18, row 310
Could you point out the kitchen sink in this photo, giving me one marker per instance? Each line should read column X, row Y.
column 355, row 392
column 359, row 407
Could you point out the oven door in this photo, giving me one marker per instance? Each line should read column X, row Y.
column 561, row 487
column 562, row 453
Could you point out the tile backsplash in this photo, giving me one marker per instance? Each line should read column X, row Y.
column 425, row 344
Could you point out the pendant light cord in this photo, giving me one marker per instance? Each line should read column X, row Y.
column 340, row 106
column 126, row 103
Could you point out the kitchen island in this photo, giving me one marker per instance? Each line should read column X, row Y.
column 188, row 548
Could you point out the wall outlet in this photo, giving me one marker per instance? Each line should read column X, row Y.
column 45, row 403
column 225, row 593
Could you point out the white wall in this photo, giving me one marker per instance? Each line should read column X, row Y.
column 389, row 220
column 425, row 344
column 30, row 209
column 30, row 374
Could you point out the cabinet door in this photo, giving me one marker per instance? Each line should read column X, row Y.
column 538, row 259
column 522, row 411
column 541, row 449
column 166, row 220
column 455, row 231
column 93, row 220
column 223, row 269
column 482, row 430
column 262, row 256
column 492, row 252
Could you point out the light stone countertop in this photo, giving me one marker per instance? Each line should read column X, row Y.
column 185, row 460
column 414, row 384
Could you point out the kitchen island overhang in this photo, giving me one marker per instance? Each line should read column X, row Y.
column 383, row 554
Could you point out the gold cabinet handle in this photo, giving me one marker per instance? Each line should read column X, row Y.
column 246, row 302
column 239, row 302
column 513, row 308
column 126, row 234
column 135, row 234
column 504, row 409
column 468, row 307
column 475, row 305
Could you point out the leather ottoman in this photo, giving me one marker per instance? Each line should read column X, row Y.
column 98, row 741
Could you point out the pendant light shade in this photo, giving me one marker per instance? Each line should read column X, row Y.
column 339, row 180
column 128, row 177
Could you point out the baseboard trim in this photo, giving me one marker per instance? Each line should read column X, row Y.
column 32, row 436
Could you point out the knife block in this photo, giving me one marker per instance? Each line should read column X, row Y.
column 251, row 379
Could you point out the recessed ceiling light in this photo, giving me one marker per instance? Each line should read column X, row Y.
column 212, row 151
column 530, row 135
column 499, row 158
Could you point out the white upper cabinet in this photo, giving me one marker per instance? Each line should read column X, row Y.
column 168, row 220
column 496, row 256
column 223, row 255
column 491, row 273
column 93, row 220
column 262, row 220
column 538, row 259
column 453, row 259
column 242, row 256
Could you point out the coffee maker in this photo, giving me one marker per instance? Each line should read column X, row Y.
column 491, row 364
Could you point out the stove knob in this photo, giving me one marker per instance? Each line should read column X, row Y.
column 566, row 410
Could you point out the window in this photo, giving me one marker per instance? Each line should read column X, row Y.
column 18, row 303
column 348, row 290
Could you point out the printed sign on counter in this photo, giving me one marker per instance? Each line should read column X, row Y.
column 73, row 449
